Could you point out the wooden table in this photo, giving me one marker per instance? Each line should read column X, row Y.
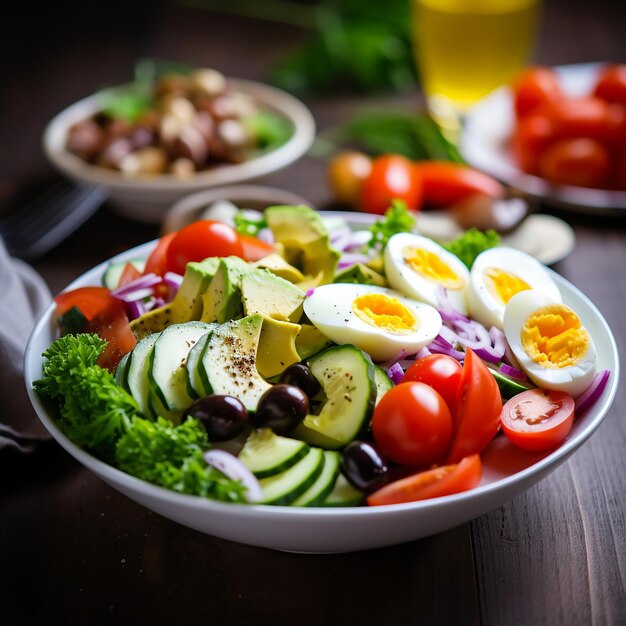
column 73, row 551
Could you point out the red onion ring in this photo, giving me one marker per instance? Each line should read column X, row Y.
column 590, row 396
column 234, row 469
column 395, row 373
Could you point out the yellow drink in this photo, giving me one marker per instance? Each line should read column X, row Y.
column 467, row 48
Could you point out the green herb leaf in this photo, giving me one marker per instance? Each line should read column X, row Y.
column 245, row 225
column 398, row 219
column 471, row 243
column 268, row 129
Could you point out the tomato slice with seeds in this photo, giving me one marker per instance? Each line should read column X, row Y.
column 538, row 419
column 434, row 483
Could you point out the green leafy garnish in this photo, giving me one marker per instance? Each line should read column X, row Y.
column 398, row 219
column 268, row 129
column 471, row 243
column 246, row 225
column 94, row 410
column 171, row 457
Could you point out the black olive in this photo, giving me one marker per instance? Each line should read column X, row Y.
column 300, row 375
column 281, row 408
column 223, row 417
column 364, row 466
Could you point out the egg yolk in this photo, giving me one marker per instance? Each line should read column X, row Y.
column 554, row 337
column 428, row 265
column 384, row 312
column 504, row 285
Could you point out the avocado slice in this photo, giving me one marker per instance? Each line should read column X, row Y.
column 277, row 347
column 310, row 341
column 304, row 237
column 186, row 305
column 221, row 300
column 361, row 275
column 277, row 265
column 271, row 296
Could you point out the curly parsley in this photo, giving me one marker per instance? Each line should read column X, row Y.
column 398, row 219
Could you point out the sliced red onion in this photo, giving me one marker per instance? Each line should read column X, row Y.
column 158, row 303
column 406, row 363
column 452, row 316
column 443, row 342
column 309, row 292
column 509, row 358
column 590, row 396
column 512, row 372
column 143, row 282
column 487, row 355
column 341, row 238
column 498, row 340
column 422, row 353
column 172, row 279
column 266, row 235
column 358, row 239
column 448, row 334
column 138, row 294
column 232, row 467
column 351, row 258
column 135, row 309
column 398, row 357
column 438, row 349
column 395, row 372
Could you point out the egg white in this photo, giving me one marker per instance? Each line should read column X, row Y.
column 573, row 379
column 487, row 308
column 406, row 280
column 329, row 308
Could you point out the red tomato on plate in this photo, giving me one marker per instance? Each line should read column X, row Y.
column 157, row 261
column 439, row 371
column 611, row 85
column 532, row 136
column 537, row 419
column 434, row 483
column 533, row 87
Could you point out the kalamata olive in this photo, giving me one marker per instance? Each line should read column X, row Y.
column 281, row 408
column 300, row 375
column 85, row 139
column 223, row 417
column 364, row 466
column 190, row 144
column 115, row 152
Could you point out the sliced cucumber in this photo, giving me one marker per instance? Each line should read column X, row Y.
column 383, row 382
column 346, row 375
column 343, row 494
column 167, row 371
column 137, row 375
column 319, row 490
column 229, row 361
column 509, row 387
column 266, row 454
column 113, row 273
column 195, row 385
column 121, row 371
column 285, row 487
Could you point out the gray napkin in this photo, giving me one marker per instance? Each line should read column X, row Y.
column 23, row 296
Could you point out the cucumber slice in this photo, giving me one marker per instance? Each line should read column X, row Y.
column 113, row 272
column 195, row 384
column 382, row 381
column 319, row 490
column 509, row 387
column 285, row 487
column 346, row 375
column 343, row 494
column 121, row 371
column 167, row 372
column 266, row 454
column 229, row 361
column 137, row 375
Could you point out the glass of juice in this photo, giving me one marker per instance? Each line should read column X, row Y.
column 466, row 48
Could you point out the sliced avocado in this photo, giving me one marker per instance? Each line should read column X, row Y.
column 271, row 296
column 277, row 347
column 186, row 305
column 304, row 237
column 221, row 300
column 276, row 264
column 361, row 275
column 310, row 341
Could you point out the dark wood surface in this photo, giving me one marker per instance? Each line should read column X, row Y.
column 74, row 551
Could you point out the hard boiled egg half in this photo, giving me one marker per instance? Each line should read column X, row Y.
column 497, row 275
column 550, row 342
column 380, row 321
column 420, row 268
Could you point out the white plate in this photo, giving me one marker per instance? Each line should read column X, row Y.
column 507, row 471
column 147, row 199
column 489, row 126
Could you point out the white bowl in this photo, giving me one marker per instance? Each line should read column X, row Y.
column 147, row 198
column 507, row 471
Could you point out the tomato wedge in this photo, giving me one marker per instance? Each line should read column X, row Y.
column 88, row 300
column 445, row 184
column 477, row 414
column 434, row 483
column 537, row 419
column 157, row 261
column 254, row 249
column 129, row 274
column 439, row 371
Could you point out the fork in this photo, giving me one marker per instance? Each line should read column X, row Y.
column 43, row 223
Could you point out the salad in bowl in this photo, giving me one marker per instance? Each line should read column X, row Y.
column 321, row 375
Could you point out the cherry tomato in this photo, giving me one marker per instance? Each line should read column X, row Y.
column 412, row 425
column 535, row 86
column 200, row 240
column 445, row 184
column 346, row 173
column 537, row 419
column 477, row 412
column 611, row 85
column 254, row 249
column 580, row 162
column 89, row 300
column 392, row 177
column 620, row 181
column 439, row 371
column 129, row 274
column 434, row 483
column 584, row 117
column 157, row 261
column 532, row 136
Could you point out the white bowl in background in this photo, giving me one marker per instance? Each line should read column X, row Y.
column 147, row 198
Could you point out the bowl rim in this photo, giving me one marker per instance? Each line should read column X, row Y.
column 32, row 367
column 294, row 110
